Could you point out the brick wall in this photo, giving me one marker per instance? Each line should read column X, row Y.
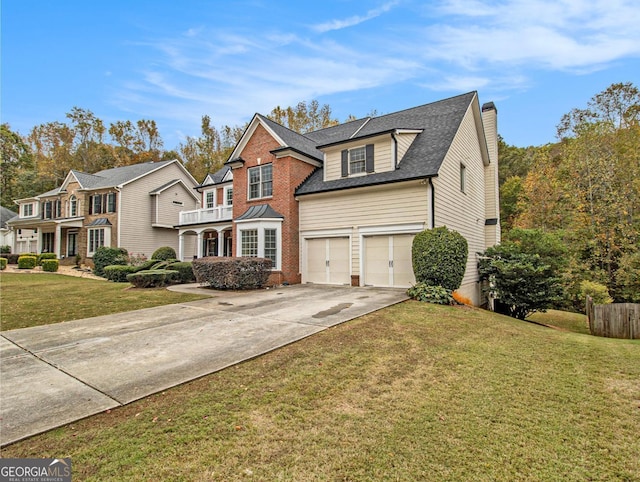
column 288, row 173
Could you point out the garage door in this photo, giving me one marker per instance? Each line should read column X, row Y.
column 387, row 260
column 328, row 261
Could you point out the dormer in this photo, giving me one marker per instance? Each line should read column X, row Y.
column 365, row 155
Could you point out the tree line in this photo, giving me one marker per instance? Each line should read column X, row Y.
column 39, row 161
column 584, row 191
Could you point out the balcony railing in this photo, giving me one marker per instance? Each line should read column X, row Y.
column 206, row 215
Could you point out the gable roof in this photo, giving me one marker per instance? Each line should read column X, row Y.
column 5, row 215
column 217, row 177
column 438, row 123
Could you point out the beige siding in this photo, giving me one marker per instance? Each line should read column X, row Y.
column 385, row 205
column 492, row 202
column 463, row 212
column 170, row 202
column 137, row 235
column 383, row 158
column 404, row 142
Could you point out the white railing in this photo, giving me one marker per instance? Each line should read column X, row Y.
column 219, row 213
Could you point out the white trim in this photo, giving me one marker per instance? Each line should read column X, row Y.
column 228, row 176
column 290, row 152
column 248, row 133
column 174, row 161
column 225, row 192
column 107, row 238
column 119, row 216
column 260, row 225
column 326, row 233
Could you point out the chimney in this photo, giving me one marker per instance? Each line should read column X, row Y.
column 492, row 197
column 490, row 122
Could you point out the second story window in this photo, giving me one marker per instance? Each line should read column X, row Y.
column 357, row 158
column 228, row 196
column 27, row 210
column 102, row 203
column 260, row 181
column 73, row 206
column 210, row 199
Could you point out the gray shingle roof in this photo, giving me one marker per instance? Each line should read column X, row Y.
column 439, row 122
column 5, row 215
column 293, row 139
column 216, row 177
column 261, row 211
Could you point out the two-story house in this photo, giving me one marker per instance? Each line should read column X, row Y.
column 341, row 205
column 134, row 207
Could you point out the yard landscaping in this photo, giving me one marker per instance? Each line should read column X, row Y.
column 412, row 392
column 40, row 299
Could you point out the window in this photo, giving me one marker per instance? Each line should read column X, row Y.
column 73, row 206
column 228, row 196
column 463, row 177
column 96, row 240
column 27, row 210
column 111, row 202
column 96, row 204
column 271, row 246
column 357, row 160
column 58, row 208
column 249, row 242
column 47, row 210
column 260, row 181
column 47, row 243
column 210, row 197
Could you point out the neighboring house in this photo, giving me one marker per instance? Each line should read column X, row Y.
column 134, row 207
column 7, row 237
column 341, row 205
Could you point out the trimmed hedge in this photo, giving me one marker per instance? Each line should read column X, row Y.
column 118, row 273
column 439, row 257
column 108, row 257
column 242, row 273
column 13, row 258
column 153, row 278
column 43, row 256
column 164, row 253
column 27, row 261
column 186, row 271
column 149, row 264
column 50, row 265
column 3, row 263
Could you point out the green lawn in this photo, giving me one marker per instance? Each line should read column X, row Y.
column 40, row 299
column 411, row 392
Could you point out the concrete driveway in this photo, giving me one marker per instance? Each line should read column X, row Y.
column 55, row 374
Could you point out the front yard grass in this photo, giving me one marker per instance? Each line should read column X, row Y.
column 411, row 392
column 40, row 299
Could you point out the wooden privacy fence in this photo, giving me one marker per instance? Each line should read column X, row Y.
column 616, row 320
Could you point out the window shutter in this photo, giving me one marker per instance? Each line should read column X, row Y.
column 369, row 161
column 345, row 163
column 90, row 204
column 105, row 199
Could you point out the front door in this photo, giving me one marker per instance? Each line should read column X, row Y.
column 72, row 244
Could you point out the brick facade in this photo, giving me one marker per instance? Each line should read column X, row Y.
column 288, row 174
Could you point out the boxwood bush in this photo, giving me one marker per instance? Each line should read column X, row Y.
column 27, row 261
column 118, row 273
column 43, row 256
column 439, row 258
column 108, row 257
column 185, row 269
column 242, row 273
column 3, row 263
column 50, row 265
column 153, row 278
column 164, row 253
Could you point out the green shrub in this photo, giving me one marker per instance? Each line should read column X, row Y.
column 185, row 269
column 153, row 278
column 232, row 273
column 431, row 294
column 3, row 263
column 27, row 261
column 146, row 265
column 5, row 249
column 43, row 256
column 164, row 253
column 439, row 257
column 108, row 257
column 50, row 265
column 597, row 291
column 118, row 273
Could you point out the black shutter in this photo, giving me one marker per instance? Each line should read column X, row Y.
column 345, row 163
column 369, row 160
column 90, row 204
column 105, row 198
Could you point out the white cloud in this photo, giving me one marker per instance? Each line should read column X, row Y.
column 338, row 24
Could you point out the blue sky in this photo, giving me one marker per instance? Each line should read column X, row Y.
column 174, row 61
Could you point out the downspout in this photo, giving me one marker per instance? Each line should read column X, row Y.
column 433, row 203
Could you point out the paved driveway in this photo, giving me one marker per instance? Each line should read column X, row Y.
column 55, row 374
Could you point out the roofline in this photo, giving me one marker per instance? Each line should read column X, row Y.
column 378, row 183
column 353, row 139
column 280, row 152
column 173, row 161
column 246, row 135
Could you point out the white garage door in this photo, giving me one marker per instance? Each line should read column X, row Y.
column 327, row 261
column 387, row 260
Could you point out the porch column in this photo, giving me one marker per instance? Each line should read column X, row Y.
column 220, row 243
column 181, row 247
column 58, row 241
column 39, row 242
column 199, row 247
